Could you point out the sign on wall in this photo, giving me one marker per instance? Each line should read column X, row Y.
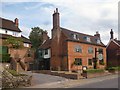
column 100, row 56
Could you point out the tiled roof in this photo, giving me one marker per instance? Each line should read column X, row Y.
column 46, row 44
column 8, row 24
column 25, row 40
column 117, row 41
column 81, row 37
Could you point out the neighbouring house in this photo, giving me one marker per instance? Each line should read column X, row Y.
column 8, row 29
column 70, row 50
column 113, row 51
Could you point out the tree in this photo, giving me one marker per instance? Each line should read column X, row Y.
column 13, row 42
column 36, row 37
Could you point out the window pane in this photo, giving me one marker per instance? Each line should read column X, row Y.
column 78, row 61
column 78, row 49
column 89, row 61
column 101, row 50
column 46, row 51
column 90, row 50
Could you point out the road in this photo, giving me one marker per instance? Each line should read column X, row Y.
column 109, row 83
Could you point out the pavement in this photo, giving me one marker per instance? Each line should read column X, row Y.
column 49, row 81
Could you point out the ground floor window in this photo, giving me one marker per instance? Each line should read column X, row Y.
column 89, row 61
column 101, row 62
column 78, row 61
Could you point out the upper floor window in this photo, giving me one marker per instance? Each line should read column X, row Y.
column 46, row 51
column 78, row 61
column 15, row 34
column 87, row 39
column 90, row 50
column 6, row 31
column 78, row 49
column 75, row 36
column 97, row 41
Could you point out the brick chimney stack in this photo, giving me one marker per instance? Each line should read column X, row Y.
column 16, row 21
column 97, row 34
column 56, row 22
column 111, row 33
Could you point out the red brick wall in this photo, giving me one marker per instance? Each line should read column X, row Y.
column 84, row 55
column 112, row 58
column 55, row 61
column 20, row 52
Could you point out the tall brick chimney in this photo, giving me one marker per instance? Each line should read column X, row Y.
column 111, row 33
column 56, row 19
column 16, row 21
column 56, row 22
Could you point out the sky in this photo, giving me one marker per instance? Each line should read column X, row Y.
column 84, row 16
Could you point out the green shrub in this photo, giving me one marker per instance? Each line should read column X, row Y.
column 95, row 70
column 114, row 68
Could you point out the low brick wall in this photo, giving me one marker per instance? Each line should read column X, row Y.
column 72, row 75
column 92, row 75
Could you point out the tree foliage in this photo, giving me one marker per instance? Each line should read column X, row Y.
column 36, row 37
column 14, row 42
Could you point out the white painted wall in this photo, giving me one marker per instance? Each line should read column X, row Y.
column 47, row 55
column 9, row 32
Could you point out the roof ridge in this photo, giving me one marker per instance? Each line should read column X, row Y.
column 6, row 19
column 78, row 32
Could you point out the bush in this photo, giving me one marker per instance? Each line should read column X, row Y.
column 114, row 68
column 95, row 70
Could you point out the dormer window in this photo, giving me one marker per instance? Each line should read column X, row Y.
column 75, row 36
column 98, row 41
column 87, row 39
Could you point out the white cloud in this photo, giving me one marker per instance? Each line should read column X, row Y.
column 85, row 16
column 25, row 31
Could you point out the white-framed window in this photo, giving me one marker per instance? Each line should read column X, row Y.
column 87, row 39
column 75, row 36
column 46, row 51
column 98, row 41
column 26, row 45
column 15, row 34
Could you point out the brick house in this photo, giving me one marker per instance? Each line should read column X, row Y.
column 11, row 28
column 67, row 47
column 113, row 51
